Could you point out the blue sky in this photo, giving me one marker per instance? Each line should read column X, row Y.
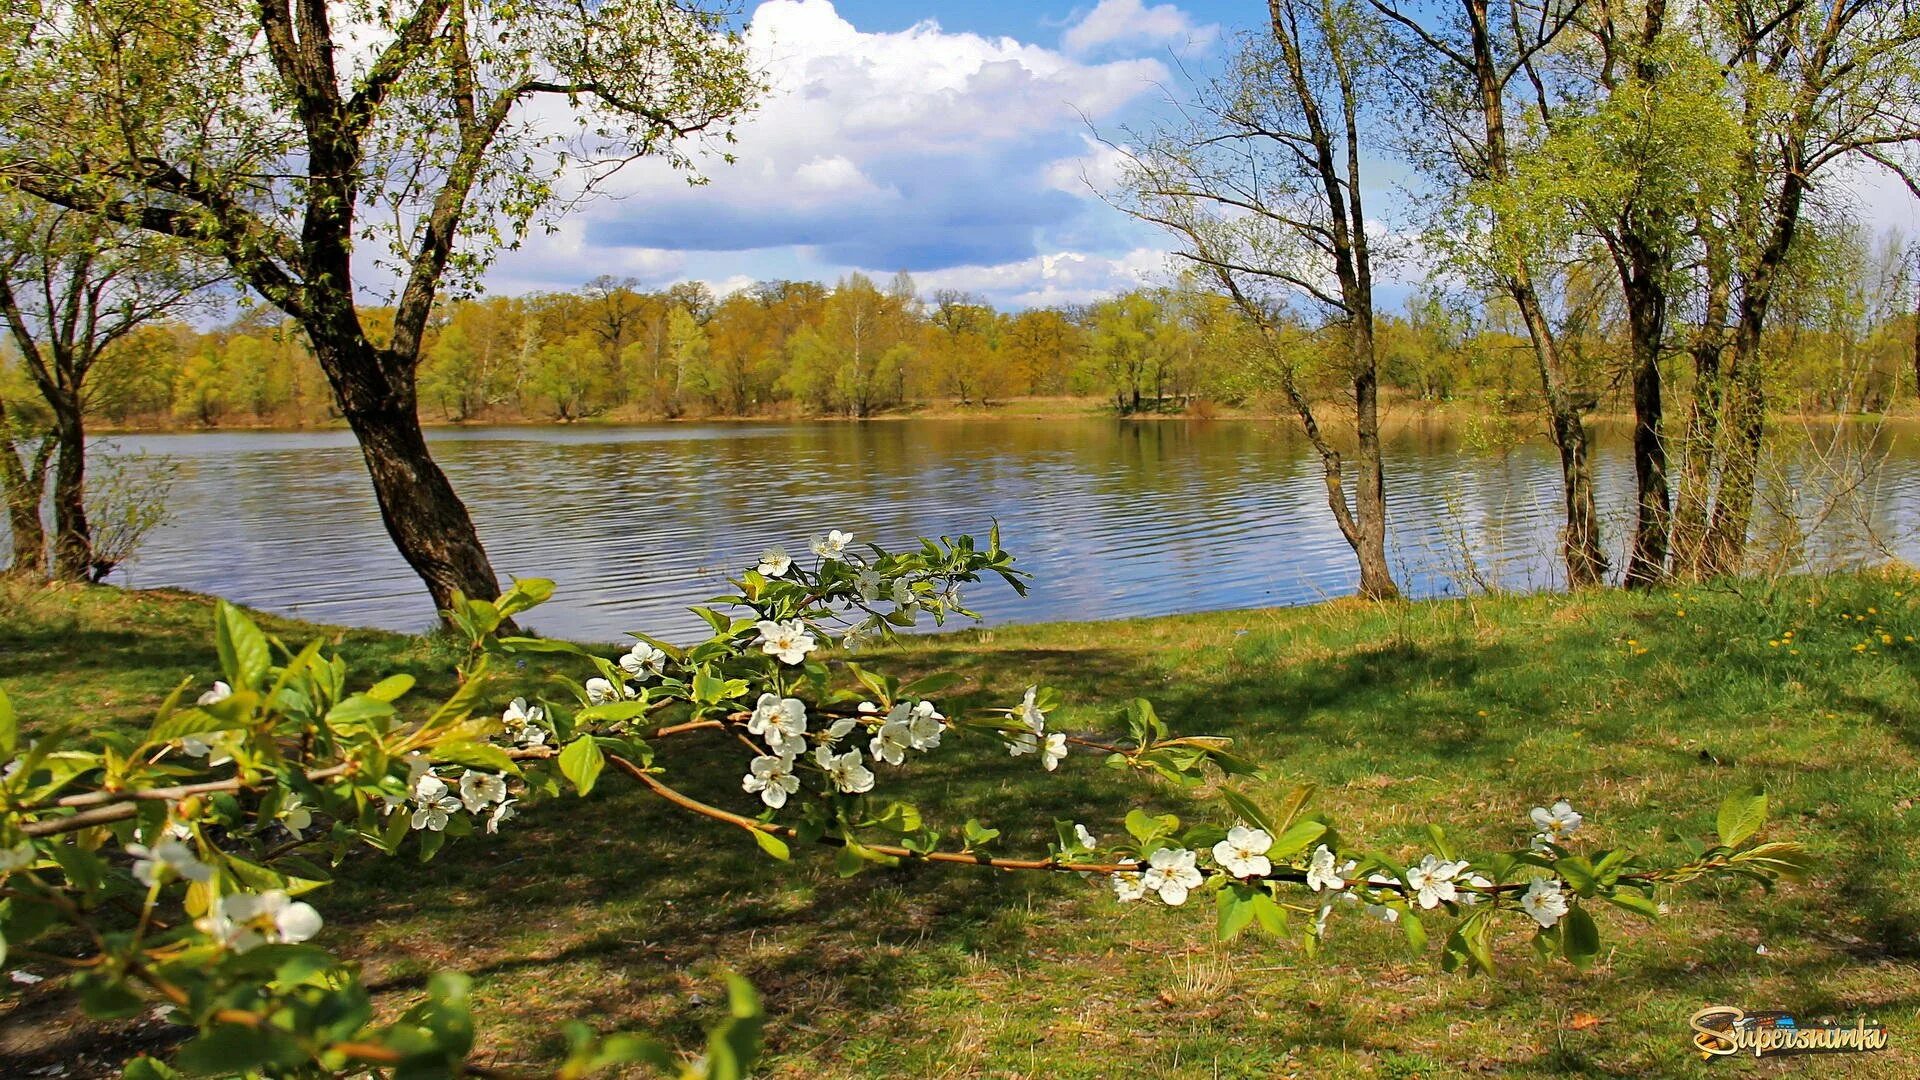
column 950, row 140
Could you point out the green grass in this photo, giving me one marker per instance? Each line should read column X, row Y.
column 1643, row 709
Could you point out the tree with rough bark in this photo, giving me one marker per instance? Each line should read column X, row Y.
column 1461, row 66
column 1259, row 180
column 302, row 141
column 72, row 288
column 1817, row 85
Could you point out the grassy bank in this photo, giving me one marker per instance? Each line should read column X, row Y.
column 1643, row 709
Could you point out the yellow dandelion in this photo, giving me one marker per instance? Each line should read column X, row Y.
column 1773, row 644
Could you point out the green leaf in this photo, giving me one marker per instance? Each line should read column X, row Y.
column 1579, row 937
column 1249, row 811
column 581, row 763
column 771, row 844
column 614, row 712
column 1296, row 839
column 1740, row 817
column 734, row 1046
column 1236, row 910
column 1416, row 933
column 476, row 755
column 541, row 645
column 390, row 689
column 194, row 721
column 1579, row 874
column 360, row 710
column 1638, row 903
column 244, row 656
column 9, row 726
column 525, row 593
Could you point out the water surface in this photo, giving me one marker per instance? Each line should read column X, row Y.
column 1115, row 518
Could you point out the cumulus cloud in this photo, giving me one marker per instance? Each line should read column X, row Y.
column 1131, row 22
column 922, row 149
column 1062, row 277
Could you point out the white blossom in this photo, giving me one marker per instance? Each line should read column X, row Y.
column 644, row 661
column 1128, row 886
column 1478, row 881
column 25, row 978
column 924, row 726
column 220, row 692
column 771, row 777
column 1026, row 742
column 845, row 770
column 602, row 692
column 1384, row 913
column 841, row 728
column 479, row 790
column 1323, row 874
column 789, row 641
column 891, row 743
column 774, row 562
column 1544, row 901
column 170, row 856
column 1085, row 837
column 1557, row 823
column 432, row 803
column 1029, row 713
column 780, row 722
column 501, row 812
column 902, row 593
column 1432, row 880
column 1171, row 873
column 833, row 545
column 244, row 920
column 204, row 744
column 1244, row 852
column 868, row 584
column 295, row 817
column 1053, row 751
column 522, row 722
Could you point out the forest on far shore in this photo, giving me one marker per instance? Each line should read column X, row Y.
column 1845, row 341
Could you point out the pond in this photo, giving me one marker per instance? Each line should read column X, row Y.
column 1115, row 518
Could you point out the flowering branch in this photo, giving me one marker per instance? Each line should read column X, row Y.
column 184, row 855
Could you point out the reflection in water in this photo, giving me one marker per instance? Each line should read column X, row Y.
column 1115, row 518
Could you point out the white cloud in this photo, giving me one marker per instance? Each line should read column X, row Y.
column 919, row 149
column 1131, row 22
column 1098, row 170
column 1063, row 277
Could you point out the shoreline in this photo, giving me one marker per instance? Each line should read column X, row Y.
column 1393, row 414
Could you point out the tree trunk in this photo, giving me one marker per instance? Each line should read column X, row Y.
column 1691, row 512
column 1646, row 319
column 24, row 485
column 1580, row 541
column 1370, row 504
column 72, row 536
column 1746, row 410
column 423, row 515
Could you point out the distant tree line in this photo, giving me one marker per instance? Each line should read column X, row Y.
column 1845, row 339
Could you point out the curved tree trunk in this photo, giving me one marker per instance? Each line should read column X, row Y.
column 24, row 485
column 72, row 535
column 422, row 513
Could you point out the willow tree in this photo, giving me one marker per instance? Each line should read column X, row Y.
column 73, row 287
column 1817, row 85
column 1259, row 181
column 316, row 147
column 1461, row 67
